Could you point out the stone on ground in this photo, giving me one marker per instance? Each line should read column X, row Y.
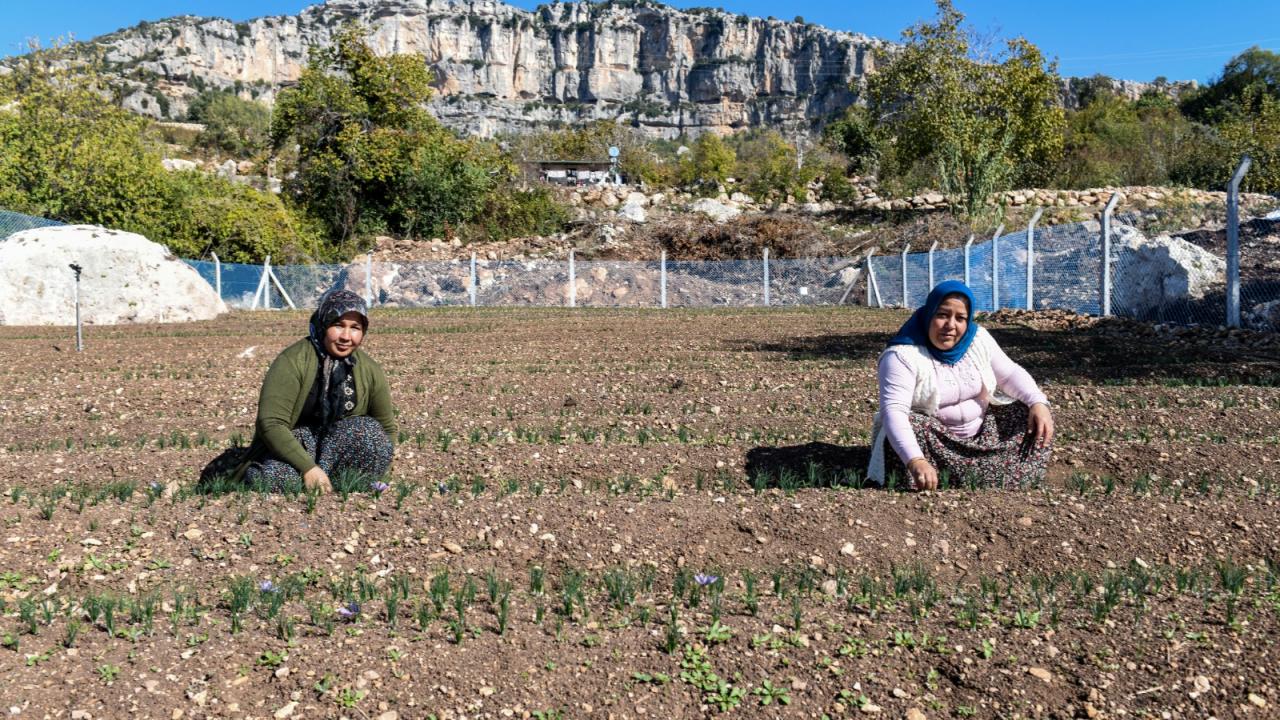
column 1150, row 273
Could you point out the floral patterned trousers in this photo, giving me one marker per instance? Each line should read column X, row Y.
column 998, row 456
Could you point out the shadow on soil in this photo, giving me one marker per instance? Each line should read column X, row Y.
column 1069, row 356
column 1080, row 357
column 812, row 465
column 856, row 347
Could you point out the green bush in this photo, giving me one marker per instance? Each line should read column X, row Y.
column 206, row 214
column 709, row 164
column 512, row 212
column 66, row 154
column 231, row 125
column 766, row 166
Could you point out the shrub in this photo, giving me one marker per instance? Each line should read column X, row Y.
column 206, row 214
column 231, row 125
column 512, row 212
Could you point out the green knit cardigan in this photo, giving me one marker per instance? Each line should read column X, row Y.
column 284, row 393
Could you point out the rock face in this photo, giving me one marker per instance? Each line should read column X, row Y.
column 500, row 69
column 126, row 279
column 1153, row 273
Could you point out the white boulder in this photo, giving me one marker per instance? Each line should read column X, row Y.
column 1153, row 272
column 715, row 210
column 126, row 278
column 633, row 213
column 179, row 165
column 633, row 209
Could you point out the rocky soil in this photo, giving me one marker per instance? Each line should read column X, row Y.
column 633, row 514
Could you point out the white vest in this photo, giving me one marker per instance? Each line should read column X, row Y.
column 925, row 398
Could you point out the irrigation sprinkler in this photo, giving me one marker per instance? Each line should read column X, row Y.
column 79, row 332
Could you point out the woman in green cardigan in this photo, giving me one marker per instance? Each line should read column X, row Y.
column 325, row 407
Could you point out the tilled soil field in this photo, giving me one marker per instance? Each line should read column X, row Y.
column 618, row 514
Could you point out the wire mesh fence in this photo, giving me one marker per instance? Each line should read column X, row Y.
column 1059, row 266
column 12, row 222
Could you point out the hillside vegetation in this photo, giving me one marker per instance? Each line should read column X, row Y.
column 360, row 157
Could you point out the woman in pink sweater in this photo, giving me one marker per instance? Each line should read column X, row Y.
column 953, row 407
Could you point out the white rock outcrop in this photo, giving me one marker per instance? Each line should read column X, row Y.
column 126, row 278
column 1150, row 273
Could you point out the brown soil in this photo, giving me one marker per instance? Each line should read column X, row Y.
column 648, row 446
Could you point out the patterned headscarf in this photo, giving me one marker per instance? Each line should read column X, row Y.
column 337, row 396
column 915, row 331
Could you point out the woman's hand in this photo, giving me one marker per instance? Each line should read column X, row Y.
column 922, row 475
column 317, row 480
column 1039, row 426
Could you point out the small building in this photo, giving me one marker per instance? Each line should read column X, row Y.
column 578, row 172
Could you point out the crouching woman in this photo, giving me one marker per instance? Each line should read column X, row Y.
column 954, row 409
column 324, row 409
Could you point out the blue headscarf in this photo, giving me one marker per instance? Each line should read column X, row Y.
column 915, row 331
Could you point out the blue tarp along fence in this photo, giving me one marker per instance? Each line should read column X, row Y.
column 1066, row 273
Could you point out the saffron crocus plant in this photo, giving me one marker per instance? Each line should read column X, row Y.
column 350, row 611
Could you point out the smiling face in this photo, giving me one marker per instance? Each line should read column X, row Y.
column 949, row 323
column 344, row 336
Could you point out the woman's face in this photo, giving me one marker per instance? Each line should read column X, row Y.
column 344, row 336
column 949, row 323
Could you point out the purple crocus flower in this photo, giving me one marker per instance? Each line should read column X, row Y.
column 267, row 586
column 442, row 488
column 705, row 579
column 157, row 487
column 349, row 611
column 378, row 487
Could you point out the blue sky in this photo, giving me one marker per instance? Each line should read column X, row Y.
column 1136, row 40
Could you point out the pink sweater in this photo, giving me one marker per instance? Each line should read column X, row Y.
column 961, row 402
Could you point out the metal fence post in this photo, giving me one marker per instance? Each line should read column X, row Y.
column 995, row 269
column 766, row 277
column 368, row 279
column 1031, row 256
column 217, row 275
column 266, row 283
column 1233, row 243
column 968, row 245
column 573, row 283
column 471, row 287
column 1106, row 253
column 905, row 248
column 662, row 279
column 932, row 247
column 872, row 285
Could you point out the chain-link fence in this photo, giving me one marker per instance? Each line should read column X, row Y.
column 1060, row 266
column 12, row 222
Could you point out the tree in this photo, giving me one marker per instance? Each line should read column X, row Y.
column 982, row 123
column 709, row 164
column 854, row 136
column 370, row 156
column 231, row 124
column 1114, row 141
column 767, row 166
column 1245, row 81
column 1254, row 129
column 68, row 153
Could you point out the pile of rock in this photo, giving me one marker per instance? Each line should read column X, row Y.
column 125, row 278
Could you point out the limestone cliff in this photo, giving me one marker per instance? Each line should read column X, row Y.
column 499, row 68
